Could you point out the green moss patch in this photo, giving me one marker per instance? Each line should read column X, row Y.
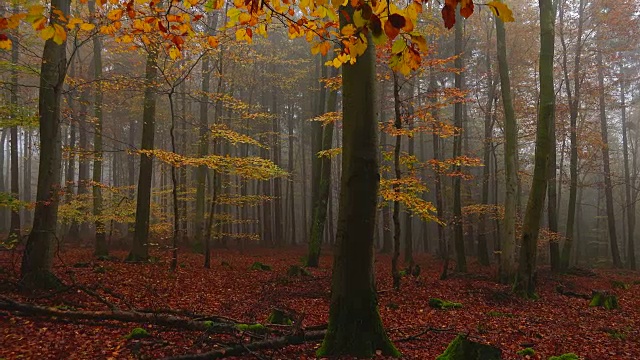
column 500, row 314
column 137, row 333
column 279, row 317
column 255, row 328
column 567, row 356
column 620, row 285
column 461, row 348
column 297, row 270
column 526, row 352
column 260, row 266
column 437, row 303
column 604, row 299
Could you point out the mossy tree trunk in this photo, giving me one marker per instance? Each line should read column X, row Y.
column 507, row 268
column 140, row 248
column 355, row 327
column 37, row 257
column 525, row 280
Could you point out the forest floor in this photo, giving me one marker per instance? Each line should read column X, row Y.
column 552, row 325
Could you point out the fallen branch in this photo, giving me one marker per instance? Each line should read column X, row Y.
column 242, row 349
column 561, row 290
column 124, row 316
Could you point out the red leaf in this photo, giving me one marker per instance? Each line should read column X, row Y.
column 398, row 21
column 449, row 16
column 391, row 30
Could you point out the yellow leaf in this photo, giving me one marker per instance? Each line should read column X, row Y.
column 47, row 33
column 358, row 20
column 174, row 53
column 213, row 41
column 5, row 44
column 73, row 22
column 501, row 10
column 60, row 35
column 36, row 10
column 420, row 41
column 244, row 18
column 348, row 30
column 115, row 15
column 14, row 20
column 87, row 27
column 40, row 23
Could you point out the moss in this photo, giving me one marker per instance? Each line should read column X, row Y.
column 260, row 266
column 297, row 270
column 279, row 317
column 462, row 348
column 208, row 324
column 567, row 356
column 619, row 285
column 526, row 351
column 604, row 300
column 256, row 328
column 137, row 333
column 500, row 314
column 437, row 303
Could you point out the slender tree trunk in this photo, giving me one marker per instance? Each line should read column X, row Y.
column 608, row 187
column 14, row 228
column 140, row 248
column 461, row 261
column 442, row 244
column 408, row 220
column 395, row 270
column 277, row 182
column 507, row 270
column 26, row 178
column 630, row 203
column 387, row 237
column 525, row 281
column 355, row 327
column 483, row 251
column 291, row 182
column 574, row 106
column 101, row 248
column 37, row 258
column 203, row 149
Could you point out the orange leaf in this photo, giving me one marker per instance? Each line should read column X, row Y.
column 391, row 30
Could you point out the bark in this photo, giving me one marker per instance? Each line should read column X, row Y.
column 318, row 183
column 37, row 258
column 26, row 178
column 140, row 248
column 433, row 88
column 101, row 248
column 203, row 149
column 174, row 186
column 573, row 97
column 525, row 281
column 507, row 269
column 608, row 187
column 630, row 203
column 291, row 182
column 408, row 234
column 461, row 261
column 278, row 231
column 387, row 237
column 14, row 228
column 355, row 327
column 483, row 251
column 397, row 123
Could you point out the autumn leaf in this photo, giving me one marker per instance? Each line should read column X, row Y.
column 115, row 15
column 60, row 35
column 501, row 10
column 466, row 8
column 391, row 30
column 47, row 33
column 213, row 41
column 398, row 21
column 449, row 16
column 5, row 42
column 87, row 26
column 174, row 53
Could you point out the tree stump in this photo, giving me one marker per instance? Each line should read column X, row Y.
column 461, row 348
column 604, row 299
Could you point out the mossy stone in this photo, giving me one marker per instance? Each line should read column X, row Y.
column 437, row 303
column 137, row 333
column 461, row 348
column 567, row 356
column 526, row 351
column 279, row 317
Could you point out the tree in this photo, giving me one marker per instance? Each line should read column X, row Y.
column 353, row 292
column 508, row 246
column 525, row 280
column 14, row 228
column 140, row 248
column 458, row 235
column 37, row 258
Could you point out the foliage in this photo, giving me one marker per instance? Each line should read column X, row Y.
column 526, row 352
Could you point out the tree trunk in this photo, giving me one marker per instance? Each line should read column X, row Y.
column 277, row 182
column 203, row 149
column 630, row 203
column 608, row 187
column 355, row 327
column 525, row 281
column 507, row 269
column 574, row 106
column 101, row 248
column 433, row 89
column 14, row 228
column 395, row 271
column 37, row 258
column 387, row 237
column 140, row 248
column 461, row 261
column 26, row 177
column 408, row 220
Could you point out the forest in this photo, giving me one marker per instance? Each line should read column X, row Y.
column 295, row 179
